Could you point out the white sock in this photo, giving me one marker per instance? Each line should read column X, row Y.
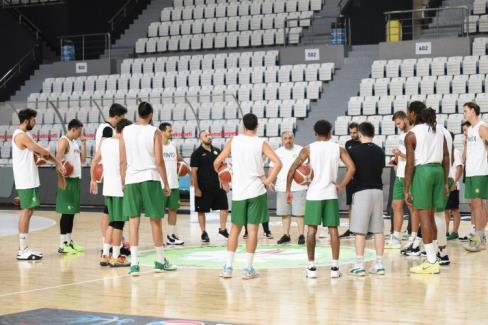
column 103, row 241
column 63, row 239
column 106, row 249
column 412, row 237
column 160, row 254
column 416, row 242
column 23, row 241
column 436, row 247
column 379, row 259
column 335, row 263
column 115, row 251
column 397, row 234
column 171, row 229
column 68, row 238
column 311, row 264
column 431, row 253
column 230, row 259
column 133, row 256
column 360, row 260
column 250, row 258
column 442, row 252
column 440, row 222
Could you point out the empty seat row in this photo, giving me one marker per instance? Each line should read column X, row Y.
column 218, row 40
column 438, row 66
column 233, row 24
column 273, row 74
column 480, row 45
column 479, row 7
column 476, row 24
column 458, row 84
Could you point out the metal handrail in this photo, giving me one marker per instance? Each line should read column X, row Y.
column 107, row 46
column 11, row 72
column 347, row 22
column 424, row 9
column 120, row 12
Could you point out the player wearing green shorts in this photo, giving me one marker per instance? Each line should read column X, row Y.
column 426, row 175
column 249, row 183
column 108, row 154
column 26, row 177
column 321, row 205
column 171, row 158
column 476, row 186
column 68, row 194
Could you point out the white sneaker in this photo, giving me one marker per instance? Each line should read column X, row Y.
column 377, row 268
column 393, row 243
column 335, row 272
column 28, row 255
column 226, row 273
column 311, row 272
column 177, row 240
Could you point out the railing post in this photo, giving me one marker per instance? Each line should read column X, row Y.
column 83, row 46
column 61, row 48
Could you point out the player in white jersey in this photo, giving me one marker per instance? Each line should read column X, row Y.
column 322, row 204
column 113, row 196
column 287, row 153
column 398, row 201
column 171, row 158
column 141, row 170
column 249, row 183
column 116, row 113
column 26, row 177
column 476, row 188
column 426, row 176
column 68, row 196
column 452, row 206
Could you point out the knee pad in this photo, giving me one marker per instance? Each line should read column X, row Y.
column 119, row 225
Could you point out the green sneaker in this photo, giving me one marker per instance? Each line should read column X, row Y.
column 453, row 235
column 134, row 270
column 66, row 249
column 77, row 247
column 162, row 267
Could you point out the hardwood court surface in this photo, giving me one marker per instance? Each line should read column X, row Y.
column 459, row 295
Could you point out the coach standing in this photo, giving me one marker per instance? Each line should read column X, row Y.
column 208, row 193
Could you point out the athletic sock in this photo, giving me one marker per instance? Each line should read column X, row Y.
column 171, row 229
column 115, row 251
column 23, row 241
column 106, row 249
column 442, row 252
column 416, row 242
column 160, row 254
column 335, row 263
column 68, row 238
column 311, row 264
column 230, row 259
column 250, row 258
column 436, row 247
column 133, row 256
column 63, row 239
column 397, row 234
column 431, row 253
column 360, row 261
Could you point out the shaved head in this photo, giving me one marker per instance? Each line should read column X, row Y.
column 287, row 139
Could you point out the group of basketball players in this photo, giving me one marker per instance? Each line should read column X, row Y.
column 140, row 174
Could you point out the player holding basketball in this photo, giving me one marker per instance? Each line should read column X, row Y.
column 68, row 198
column 476, row 188
column 249, row 183
column 322, row 204
column 141, row 171
column 426, row 176
column 113, row 196
column 171, row 157
column 26, row 177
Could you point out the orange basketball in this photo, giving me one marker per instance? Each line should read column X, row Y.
column 225, row 173
column 68, row 167
column 98, row 172
column 182, row 168
column 303, row 175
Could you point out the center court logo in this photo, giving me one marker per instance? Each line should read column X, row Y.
column 267, row 256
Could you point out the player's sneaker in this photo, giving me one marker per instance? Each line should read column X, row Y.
column 335, row 272
column 162, row 267
column 66, row 249
column 204, row 237
column 76, row 247
column 413, row 251
column 475, row 244
column 125, row 249
column 443, row 260
column 176, row 240
column 426, row 268
column 28, row 255
column 104, row 260
column 423, row 253
column 452, row 236
column 226, row 272
column 223, row 233
column 358, row 270
column 301, row 240
column 311, row 272
column 465, row 238
column 134, row 270
column 120, row 261
column 323, row 234
column 249, row 273
column 245, row 235
column 377, row 268
column 284, row 239
column 269, row 235
column 346, row 234
column 394, row 243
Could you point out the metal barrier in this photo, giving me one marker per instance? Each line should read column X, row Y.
column 318, row 30
column 426, row 23
column 84, row 46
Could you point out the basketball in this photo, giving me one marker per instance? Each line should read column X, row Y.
column 68, row 167
column 98, row 172
column 16, row 201
column 182, row 168
column 303, row 175
column 225, row 173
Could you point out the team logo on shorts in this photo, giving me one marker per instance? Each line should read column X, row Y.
column 476, row 190
column 34, row 199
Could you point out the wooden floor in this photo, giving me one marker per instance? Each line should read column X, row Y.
column 459, row 295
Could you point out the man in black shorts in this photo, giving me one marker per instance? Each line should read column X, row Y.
column 354, row 141
column 208, row 193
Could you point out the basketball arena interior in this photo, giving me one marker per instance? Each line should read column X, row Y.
column 204, row 69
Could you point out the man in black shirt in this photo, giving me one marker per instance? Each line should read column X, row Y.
column 351, row 143
column 209, row 195
column 367, row 201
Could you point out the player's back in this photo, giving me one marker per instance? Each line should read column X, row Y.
column 324, row 161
